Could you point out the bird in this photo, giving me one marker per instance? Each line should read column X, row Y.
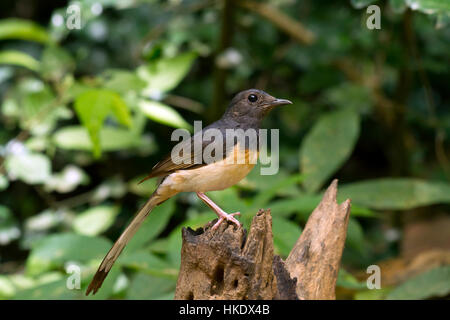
column 246, row 111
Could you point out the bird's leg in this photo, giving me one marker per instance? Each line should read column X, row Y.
column 220, row 213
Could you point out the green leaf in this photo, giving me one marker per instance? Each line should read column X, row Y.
column 32, row 168
column 398, row 6
column 349, row 96
column 264, row 196
column 374, row 294
column 55, row 290
column 57, row 249
column 122, row 81
column 153, row 225
column 7, row 289
column 347, row 280
column 67, row 180
column 9, row 229
column 326, row 147
column 34, row 104
column 55, row 63
column 355, row 236
column 429, row 6
column 304, row 204
column 111, row 139
column 163, row 113
column 429, row 284
column 258, row 182
column 93, row 106
column 4, row 183
column 23, row 30
column 144, row 189
column 148, row 287
column 148, row 263
column 395, row 193
column 165, row 74
column 95, row 220
column 300, row 204
column 285, row 234
column 19, row 58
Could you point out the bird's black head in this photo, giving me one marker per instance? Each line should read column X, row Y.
column 251, row 106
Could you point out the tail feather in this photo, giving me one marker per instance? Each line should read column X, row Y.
column 120, row 244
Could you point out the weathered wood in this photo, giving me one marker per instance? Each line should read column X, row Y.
column 316, row 256
column 228, row 264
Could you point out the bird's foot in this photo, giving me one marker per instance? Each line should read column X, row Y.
column 220, row 213
column 228, row 217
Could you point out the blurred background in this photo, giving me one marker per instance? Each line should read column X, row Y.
column 90, row 92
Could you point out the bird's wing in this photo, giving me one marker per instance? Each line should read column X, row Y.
column 191, row 159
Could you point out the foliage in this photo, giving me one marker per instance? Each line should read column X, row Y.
column 86, row 113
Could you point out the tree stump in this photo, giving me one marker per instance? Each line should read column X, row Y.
column 229, row 264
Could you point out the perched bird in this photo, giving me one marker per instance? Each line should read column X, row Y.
column 246, row 111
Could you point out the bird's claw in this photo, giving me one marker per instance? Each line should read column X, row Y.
column 228, row 217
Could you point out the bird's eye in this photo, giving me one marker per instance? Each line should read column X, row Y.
column 252, row 98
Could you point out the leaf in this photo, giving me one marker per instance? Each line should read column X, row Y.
column 4, row 183
column 95, row 220
column 285, row 234
column 111, row 139
column 142, row 189
column 19, row 59
column 264, row 196
column 148, row 263
column 32, row 168
column 349, row 96
column 355, row 236
column 304, row 205
column 55, row 290
column 374, row 294
column 326, row 147
column 395, row 193
column 398, row 6
column 148, row 287
column 93, row 106
column 163, row 113
column 9, row 229
column 165, row 74
column 429, row 6
column 153, row 225
column 346, row 280
column 300, row 204
column 55, row 63
column 67, row 180
column 57, row 249
column 258, row 182
column 432, row 283
column 123, row 81
column 36, row 106
column 23, row 30
column 7, row 289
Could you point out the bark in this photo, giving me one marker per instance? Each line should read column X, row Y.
column 316, row 256
column 229, row 264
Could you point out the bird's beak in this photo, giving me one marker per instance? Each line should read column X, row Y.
column 280, row 102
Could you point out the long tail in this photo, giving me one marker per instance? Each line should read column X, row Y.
column 118, row 246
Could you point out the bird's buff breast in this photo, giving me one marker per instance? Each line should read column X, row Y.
column 215, row 176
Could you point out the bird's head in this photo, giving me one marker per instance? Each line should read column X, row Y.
column 252, row 105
